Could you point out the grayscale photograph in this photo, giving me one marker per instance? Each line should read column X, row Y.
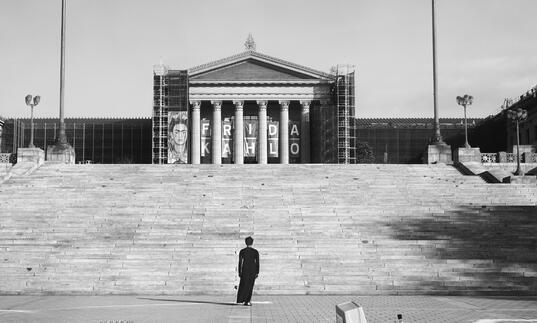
column 345, row 161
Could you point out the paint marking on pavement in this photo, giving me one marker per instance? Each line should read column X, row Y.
column 262, row 302
column 504, row 320
column 98, row 306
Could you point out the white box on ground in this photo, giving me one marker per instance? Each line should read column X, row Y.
column 350, row 312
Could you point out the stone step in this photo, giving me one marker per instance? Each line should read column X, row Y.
column 370, row 229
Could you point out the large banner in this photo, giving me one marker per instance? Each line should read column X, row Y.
column 178, row 137
column 272, row 138
column 227, row 139
column 250, row 138
column 294, row 139
column 205, row 149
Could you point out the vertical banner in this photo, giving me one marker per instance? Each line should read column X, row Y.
column 272, row 138
column 294, row 139
column 178, row 137
column 250, row 138
column 205, row 132
column 227, row 139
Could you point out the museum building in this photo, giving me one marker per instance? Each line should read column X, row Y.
column 253, row 108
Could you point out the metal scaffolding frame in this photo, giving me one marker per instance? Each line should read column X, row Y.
column 160, row 115
column 345, row 105
column 170, row 93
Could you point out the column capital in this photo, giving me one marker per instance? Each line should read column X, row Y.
column 284, row 104
column 262, row 104
column 238, row 104
column 195, row 104
column 217, row 104
column 305, row 105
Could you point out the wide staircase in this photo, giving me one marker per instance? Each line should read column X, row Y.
column 320, row 229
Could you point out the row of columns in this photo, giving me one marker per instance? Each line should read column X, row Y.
column 238, row 137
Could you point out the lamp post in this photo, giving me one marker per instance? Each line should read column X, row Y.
column 464, row 101
column 61, row 151
column 32, row 102
column 517, row 116
column 437, row 137
column 62, row 138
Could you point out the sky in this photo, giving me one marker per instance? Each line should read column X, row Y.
column 485, row 48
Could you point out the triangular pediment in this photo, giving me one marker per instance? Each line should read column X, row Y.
column 255, row 67
column 251, row 70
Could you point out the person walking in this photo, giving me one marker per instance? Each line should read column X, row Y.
column 248, row 272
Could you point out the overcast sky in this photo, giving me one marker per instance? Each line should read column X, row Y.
column 486, row 48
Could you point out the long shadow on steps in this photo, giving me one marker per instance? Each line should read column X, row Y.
column 480, row 250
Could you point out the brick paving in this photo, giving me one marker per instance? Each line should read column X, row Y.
column 274, row 309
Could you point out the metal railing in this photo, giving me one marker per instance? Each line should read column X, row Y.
column 5, row 158
column 503, row 157
column 489, row 158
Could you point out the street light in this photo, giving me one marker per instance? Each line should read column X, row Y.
column 464, row 101
column 32, row 103
column 517, row 116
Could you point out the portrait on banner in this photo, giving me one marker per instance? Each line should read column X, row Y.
column 178, row 137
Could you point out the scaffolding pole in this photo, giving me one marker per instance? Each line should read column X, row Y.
column 345, row 105
column 160, row 113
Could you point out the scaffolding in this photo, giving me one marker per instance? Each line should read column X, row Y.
column 160, row 115
column 345, row 105
column 170, row 93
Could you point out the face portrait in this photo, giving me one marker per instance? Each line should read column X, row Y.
column 179, row 134
column 178, row 138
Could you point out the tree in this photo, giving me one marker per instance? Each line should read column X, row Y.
column 364, row 153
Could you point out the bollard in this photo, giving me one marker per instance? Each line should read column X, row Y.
column 350, row 312
column 399, row 318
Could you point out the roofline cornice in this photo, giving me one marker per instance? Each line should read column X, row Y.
column 298, row 82
column 262, row 57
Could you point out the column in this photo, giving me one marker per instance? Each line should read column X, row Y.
column 196, row 135
column 305, row 132
column 217, row 132
column 284, row 132
column 262, row 132
column 238, row 135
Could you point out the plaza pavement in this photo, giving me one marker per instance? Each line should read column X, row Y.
column 378, row 309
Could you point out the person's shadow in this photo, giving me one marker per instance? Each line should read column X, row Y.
column 189, row 301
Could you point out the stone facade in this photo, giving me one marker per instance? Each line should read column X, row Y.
column 249, row 104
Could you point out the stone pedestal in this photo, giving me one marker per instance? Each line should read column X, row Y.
column 523, row 179
column 462, row 155
column 31, row 155
column 524, row 149
column 529, row 157
column 502, row 157
column 61, row 153
column 438, row 154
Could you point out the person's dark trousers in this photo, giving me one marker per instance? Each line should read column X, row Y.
column 246, row 286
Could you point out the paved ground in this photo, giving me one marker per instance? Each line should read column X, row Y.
column 138, row 309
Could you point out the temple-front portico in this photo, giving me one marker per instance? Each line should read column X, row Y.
column 251, row 138
column 246, row 108
column 257, row 109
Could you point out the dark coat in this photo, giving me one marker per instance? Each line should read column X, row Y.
column 248, row 262
column 248, row 271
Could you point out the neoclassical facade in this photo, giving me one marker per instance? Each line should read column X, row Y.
column 247, row 108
